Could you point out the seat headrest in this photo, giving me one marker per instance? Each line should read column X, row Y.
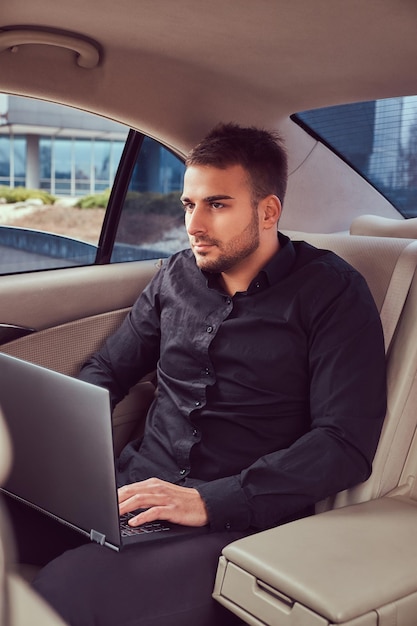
column 377, row 226
column 5, row 450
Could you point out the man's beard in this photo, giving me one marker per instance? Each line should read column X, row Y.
column 237, row 249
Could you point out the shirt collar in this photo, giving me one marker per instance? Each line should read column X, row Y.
column 281, row 263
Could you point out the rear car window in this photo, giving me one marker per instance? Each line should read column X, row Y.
column 378, row 139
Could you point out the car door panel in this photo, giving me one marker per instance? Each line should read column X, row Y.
column 46, row 299
column 72, row 312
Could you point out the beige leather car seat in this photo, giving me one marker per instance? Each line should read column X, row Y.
column 19, row 604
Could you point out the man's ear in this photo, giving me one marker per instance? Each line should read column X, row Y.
column 270, row 211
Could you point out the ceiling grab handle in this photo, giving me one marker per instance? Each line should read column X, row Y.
column 88, row 55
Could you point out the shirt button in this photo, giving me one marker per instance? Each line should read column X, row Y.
column 228, row 526
column 228, row 300
column 209, row 329
column 206, row 371
column 197, row 403
column 183, row 471
column 257, row 285
column 195, row 432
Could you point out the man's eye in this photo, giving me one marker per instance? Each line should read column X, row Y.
column 217, row 205
column 188, row 207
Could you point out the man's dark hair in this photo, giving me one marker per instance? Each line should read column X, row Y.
column 261, row 153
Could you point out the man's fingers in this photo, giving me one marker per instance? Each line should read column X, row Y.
column 140, row 501
column 150, row 515
column 152, row 485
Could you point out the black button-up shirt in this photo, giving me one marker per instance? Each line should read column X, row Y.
column 268, row 401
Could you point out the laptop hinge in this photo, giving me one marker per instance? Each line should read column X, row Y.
column 97, row 537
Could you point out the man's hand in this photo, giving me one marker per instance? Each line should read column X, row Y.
column 164, row 501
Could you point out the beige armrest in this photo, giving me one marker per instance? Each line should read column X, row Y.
column 338, row 565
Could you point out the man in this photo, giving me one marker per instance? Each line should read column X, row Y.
column 271, row 392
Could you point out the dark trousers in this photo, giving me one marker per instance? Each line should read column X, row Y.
column 166, row 583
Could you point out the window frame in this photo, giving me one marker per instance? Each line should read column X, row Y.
column 117, row 197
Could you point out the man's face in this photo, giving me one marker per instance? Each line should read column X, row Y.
column 221, row 221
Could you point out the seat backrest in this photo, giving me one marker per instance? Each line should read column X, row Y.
column 377, row 258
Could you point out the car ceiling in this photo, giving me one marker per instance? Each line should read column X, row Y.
column 175, row 68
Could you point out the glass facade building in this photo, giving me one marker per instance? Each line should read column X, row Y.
column 61, row 150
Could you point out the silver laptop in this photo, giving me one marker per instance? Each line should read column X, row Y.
column 63, row 459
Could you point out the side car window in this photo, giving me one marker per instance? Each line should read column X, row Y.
column 57, row 167
column 151, row 225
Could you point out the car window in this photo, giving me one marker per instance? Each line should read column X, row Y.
column 378, row 139
column 57, row 167
column 152, row 219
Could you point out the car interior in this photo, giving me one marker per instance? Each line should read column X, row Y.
column 170, row 72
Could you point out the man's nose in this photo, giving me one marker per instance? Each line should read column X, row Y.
column 195, row 222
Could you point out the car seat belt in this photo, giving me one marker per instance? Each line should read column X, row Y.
column 397, row 291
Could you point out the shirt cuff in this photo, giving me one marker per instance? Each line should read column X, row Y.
column 227, row 507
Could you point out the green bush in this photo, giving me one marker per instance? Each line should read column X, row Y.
column 21, row 194
column 147, row 202
column 98, row 200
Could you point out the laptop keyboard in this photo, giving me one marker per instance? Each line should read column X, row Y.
column 149, row 527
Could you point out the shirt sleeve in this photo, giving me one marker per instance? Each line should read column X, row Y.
column 346, row 361
column 133, row 350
